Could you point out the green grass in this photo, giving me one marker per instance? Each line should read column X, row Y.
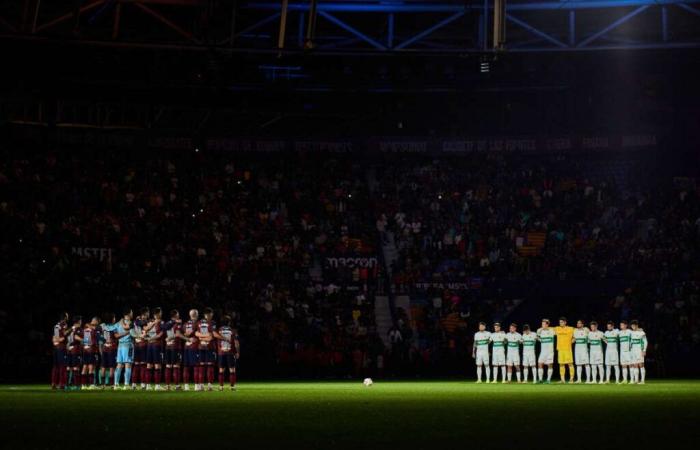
column 330, row 415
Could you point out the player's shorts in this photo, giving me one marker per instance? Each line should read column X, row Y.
column 154, row 354
column 498, row 358
column 637, row 357
column 125, row 354
column 191, row 357
column 109, row 358
column 596, row 357
column 529, row 359
column 75, row 359
column 139, row 354
column 207, row 356
column 625, row 358
column 173, row 357
column 482, row 358
column 227, row 361
column 612, row 358
column 546, row 357
column 513, row 357
column 90, row 357
column 59, row 357
column 565, row 357
column 581, row 353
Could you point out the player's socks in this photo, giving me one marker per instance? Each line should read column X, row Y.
column 571, row 373
column 525, row 370
column 117, row 376
column 624, row 374
column 478, row 373
column 106, row 378
column 54, row 383
column 495, row 373
column 157, row 375
column 643, row 374
column 517, row 375
column 147, row 376
column 550, row 372
column 70, row 377
column 562, row 373
column 588, row 374
column 636, row 374
column 186, row 375
column 233, row 379
column 601, row 372
column 127, row 376
column 510, row 376
column 503, row 373
column 579, row 372
column 63, row 377
column 540, row 374
column 210, row 374
column 488, row 373
column 617, row 374
column 168, row 376
column 176, row 376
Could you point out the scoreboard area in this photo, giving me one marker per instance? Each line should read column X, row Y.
column 388, row 414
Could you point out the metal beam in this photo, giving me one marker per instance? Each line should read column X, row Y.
column 429, row 30
column 67, row 16
column 535, row 31
column 454, row 7
column 350, row 29
column 165, row 21
column 689, row 8
column 612, row 26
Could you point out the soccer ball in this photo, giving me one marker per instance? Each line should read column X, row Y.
column 368, row 382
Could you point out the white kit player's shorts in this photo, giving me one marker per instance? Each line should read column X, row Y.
column 581, row 355
column 482, row 358
column 513, row 357
column 546, row 357
column 637, row 357
column 529, row 359
column 596, row 357
column 498, row 358
column 625, row 358
column 612, row 358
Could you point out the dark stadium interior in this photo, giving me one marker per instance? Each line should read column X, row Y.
column 357, row 195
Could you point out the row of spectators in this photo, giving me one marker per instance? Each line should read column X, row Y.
column 296, row 248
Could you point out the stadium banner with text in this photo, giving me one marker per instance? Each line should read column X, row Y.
column 456, row 146
column 352, row 261
column 93, row 253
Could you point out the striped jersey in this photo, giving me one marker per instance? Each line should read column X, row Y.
column 481, row 340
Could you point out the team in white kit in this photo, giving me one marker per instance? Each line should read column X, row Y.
column 600, row 354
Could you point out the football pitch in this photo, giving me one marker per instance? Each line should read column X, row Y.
column 330, row 415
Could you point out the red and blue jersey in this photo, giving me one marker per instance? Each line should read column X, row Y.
column 153, row 331
column 205, row 326
column 188, row 330
column 109, row 342
column 73, row 341
column 228, row 344
column 59, row 331
column 90, row 339
column 172, row 328
column 139, row 340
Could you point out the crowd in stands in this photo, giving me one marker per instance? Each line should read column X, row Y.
column 275, row 242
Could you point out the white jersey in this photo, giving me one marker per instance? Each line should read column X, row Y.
column 481, row 347
column 513, row 354
column 581, row 346
column 639, row 346
column 595, row 341
column 529, row 343
column 498, row 352
column 546, row 338
column 625, row 338
column 612, row 355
